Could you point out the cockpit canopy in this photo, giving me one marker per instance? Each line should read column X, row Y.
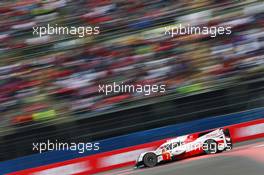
column 170, row 145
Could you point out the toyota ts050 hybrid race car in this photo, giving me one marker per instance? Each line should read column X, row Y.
column 209, row 142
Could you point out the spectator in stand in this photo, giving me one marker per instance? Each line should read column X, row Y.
column 54, row 76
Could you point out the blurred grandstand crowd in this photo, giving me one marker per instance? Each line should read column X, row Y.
column 58, row 76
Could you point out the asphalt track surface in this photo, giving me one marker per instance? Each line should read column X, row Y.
column 246, row 158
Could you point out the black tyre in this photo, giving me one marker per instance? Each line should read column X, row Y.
column 229, row 141
column 229, row 145
column 210, row 147
column 150, row 159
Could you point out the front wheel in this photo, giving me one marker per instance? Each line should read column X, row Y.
column 150, row 160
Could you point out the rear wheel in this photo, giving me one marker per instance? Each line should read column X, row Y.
column 210, row 146
column 229, row 146
column 150, row 160
column 228, row 140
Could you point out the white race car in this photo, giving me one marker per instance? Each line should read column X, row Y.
column 209, row 142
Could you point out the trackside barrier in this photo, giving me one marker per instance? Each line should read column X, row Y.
column 247, row 131
column 133, row 139
column 127, row 156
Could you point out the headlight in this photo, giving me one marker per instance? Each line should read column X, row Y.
column 138, row 158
